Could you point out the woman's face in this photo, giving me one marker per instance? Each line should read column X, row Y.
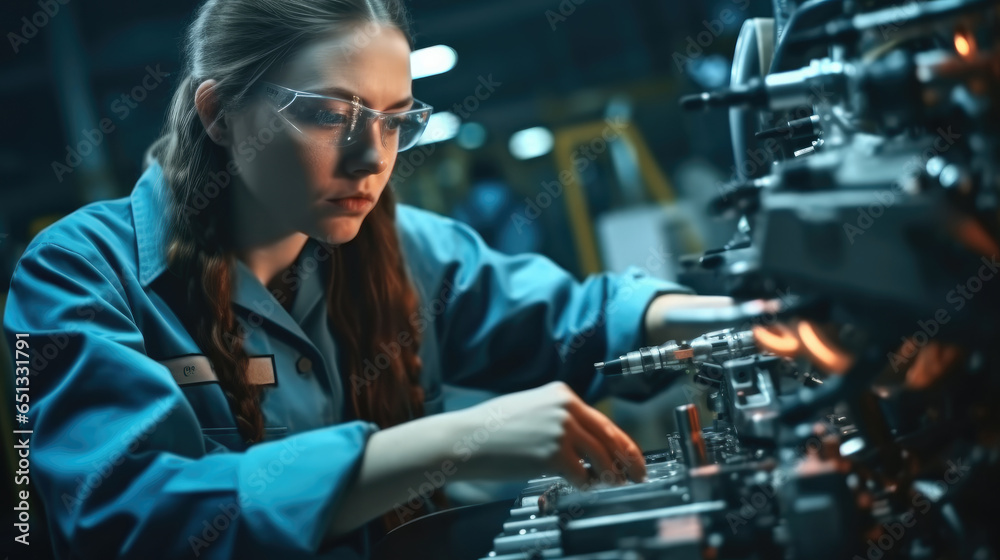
column 307, row 184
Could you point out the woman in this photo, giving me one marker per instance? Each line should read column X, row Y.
column 244, row 358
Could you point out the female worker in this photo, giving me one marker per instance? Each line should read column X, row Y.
column 244, row 358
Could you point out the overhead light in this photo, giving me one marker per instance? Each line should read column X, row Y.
column 531, row 142
column 852, row 446
column 432, row 60
column 709, row 72
column 471, row 135
column 440, row 127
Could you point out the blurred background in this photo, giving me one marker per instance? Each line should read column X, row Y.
column 556, row 130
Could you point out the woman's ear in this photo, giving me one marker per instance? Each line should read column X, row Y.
column 206, row 102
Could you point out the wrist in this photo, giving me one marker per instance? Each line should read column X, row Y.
column 428, row 440
column 458, row 456
column 659, row 329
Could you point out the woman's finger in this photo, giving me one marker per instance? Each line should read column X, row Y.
column 587, row 445
column 616, row 441
column 570, row 467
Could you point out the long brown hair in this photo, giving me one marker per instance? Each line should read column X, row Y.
column 235, row 42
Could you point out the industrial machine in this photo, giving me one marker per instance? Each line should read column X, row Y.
column 852, row 392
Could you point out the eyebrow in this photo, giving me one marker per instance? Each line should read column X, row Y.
column 341, row 92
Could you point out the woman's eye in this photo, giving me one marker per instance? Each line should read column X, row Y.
column 319, row 115
column 328, row 118
column 393, row 123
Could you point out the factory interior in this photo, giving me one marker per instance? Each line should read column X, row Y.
column 816, row 182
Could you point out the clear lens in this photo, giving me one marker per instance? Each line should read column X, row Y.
column 337, row 122
column 406, row 128
column 325, row 120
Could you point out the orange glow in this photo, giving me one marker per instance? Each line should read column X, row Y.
column 820, row 351
column 932, row 362
column 777, row 339
column 964, row 44
column 973, row 236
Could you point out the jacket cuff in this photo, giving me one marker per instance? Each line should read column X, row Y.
column 632, row 294
column 627, row 307
column 294, row 472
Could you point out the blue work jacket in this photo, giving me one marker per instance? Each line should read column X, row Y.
column 134, row 450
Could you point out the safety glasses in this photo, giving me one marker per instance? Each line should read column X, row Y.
column 332, row 121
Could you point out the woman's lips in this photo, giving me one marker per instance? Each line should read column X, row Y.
column 352, row 204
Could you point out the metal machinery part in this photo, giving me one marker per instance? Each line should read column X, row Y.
column 852, row 391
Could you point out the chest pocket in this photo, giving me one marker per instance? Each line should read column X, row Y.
column 196, row 377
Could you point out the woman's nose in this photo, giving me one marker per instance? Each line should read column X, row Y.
column 366, row 156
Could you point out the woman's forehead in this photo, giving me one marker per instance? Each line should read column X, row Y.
column 372, row 60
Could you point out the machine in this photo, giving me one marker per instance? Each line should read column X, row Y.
column 853, row 391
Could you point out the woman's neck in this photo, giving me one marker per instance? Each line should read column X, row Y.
column 268, row 261
column 265, row 246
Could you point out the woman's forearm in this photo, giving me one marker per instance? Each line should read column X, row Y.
column 395, row 460
column 660, row 330
column 548, row 429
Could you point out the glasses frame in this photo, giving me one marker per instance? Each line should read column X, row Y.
column 359, row 109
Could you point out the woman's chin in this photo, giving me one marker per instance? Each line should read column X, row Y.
column 341, row 229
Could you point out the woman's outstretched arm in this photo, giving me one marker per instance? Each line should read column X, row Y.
column 516, row 436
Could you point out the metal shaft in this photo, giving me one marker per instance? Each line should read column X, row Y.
column 692, row 441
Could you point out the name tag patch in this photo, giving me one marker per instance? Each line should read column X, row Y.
column 194, row 369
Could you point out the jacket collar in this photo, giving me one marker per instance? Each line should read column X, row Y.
column 150, row 202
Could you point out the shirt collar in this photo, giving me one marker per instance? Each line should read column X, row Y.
column 150, row 203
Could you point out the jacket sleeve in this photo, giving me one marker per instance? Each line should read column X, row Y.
column 512, row 322
column 117, row 454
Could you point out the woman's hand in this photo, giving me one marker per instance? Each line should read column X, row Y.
column 545, row 430
column 660, row 330
column 516, row 436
